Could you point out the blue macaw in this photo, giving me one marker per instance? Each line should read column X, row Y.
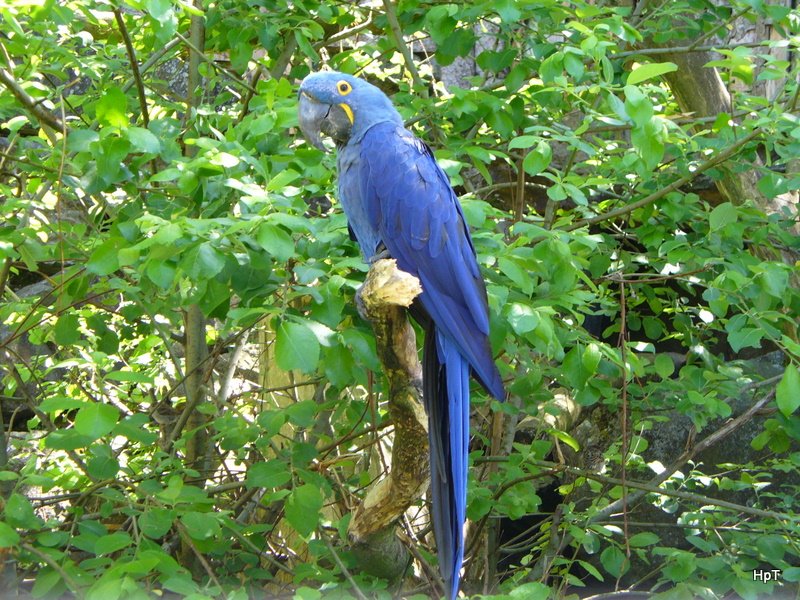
column 399, row 203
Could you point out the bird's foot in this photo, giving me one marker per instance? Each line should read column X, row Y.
column 380, row 255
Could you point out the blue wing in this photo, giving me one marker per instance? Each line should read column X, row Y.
column 414, row 212
column 411, row 204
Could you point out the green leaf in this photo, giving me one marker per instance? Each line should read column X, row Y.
column 516, row 273
column 46, row 580
column 108, row 544
column 161, row 273
column 156, row 522
column 649, row 71
column 143, row 140
column 522, row 318
column 104, row 465
column 682, row 565
column 8, row 536
column 131, row 376
column 538, row 159
column 201, row 526
column 645, row 538
column 204, row 262
column 637, row 105
column 68, row 439
column 303, row 508
column 272, row 474
column 591, row 358
column 303, row 413
column 508, row 11
column 307, row 593
column 112, row 108
column 567, row 439
column 614, row 561
column 664, row 366
column 105, row 258
column 134, row 428
column 96, row 420
column 276, row 241
column 19, row 512
column 722, row 215
column 523, row 141
column 787, row 394
column 746, row 337
column 772, row 547
column 67, row 330
column 160, row 10
column 296, row 347
column 647, row 137
column 533, row 590
column 79, row 140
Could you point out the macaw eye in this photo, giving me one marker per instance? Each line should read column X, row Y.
column 344, row 88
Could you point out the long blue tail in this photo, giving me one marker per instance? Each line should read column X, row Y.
column 446, row 393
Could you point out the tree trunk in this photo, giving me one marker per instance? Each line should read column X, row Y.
column 372, row 529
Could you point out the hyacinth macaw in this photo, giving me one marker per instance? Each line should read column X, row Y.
column 399, row 203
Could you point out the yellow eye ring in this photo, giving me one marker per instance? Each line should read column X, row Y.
column 344, row 88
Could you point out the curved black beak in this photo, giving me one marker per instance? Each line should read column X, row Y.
column 317, row 118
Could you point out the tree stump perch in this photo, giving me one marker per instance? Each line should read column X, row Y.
column 382, row 300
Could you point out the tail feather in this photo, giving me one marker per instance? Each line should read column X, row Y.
column 446, row 393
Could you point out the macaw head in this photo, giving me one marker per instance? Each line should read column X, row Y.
column 342, row 107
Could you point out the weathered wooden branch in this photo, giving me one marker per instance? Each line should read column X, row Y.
column 44, row 116
column 381, row 300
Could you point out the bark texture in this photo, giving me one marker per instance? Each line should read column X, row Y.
column 382, row 299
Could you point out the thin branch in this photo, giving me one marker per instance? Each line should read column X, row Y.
column 683, row 49
column 230, row 74
column 652, row 486
column 137, row 78
column 154, row 58
column 344, row 34
column 184, row 534
column 71, row 583
column 225, row 384
column 29, row 102
column 402, row 47
column 733, row 17
column 519, row 200
column 343, row 568
column 486, row 189
column 655, row 196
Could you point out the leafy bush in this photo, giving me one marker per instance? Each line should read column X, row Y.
column 196, row 405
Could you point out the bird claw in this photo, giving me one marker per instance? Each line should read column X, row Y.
column 379, row 256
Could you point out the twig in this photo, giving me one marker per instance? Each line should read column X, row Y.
column 154, row 58
column 655, row 196
column 225, row 384
column 623, row 334
column 545, row 563
column 137, row 78
column 733, row 17
column 56, row 567
column 184, row 534
column 29, row 102
column 230, row 74
column 505, row 185
column 683, row 49
column 397, row 34
column 344, row 34
column 519, row 200
column 342, row 567
column 652, row 486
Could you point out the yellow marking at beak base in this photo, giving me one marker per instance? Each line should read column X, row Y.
column 348, row 111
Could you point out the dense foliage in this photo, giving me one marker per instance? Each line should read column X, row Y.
column 141, row 206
